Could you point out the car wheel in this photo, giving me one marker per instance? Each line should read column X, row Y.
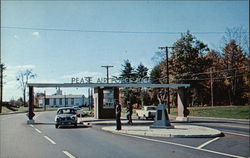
column 56, row 125
column 75, row 124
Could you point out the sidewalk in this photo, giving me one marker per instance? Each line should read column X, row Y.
column 141, row 128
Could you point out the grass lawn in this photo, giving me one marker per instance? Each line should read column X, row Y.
column 6, row 110
column 234, row 112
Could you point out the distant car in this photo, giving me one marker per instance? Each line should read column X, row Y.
column 66, row 116
column 147, row 112
column 79, row 111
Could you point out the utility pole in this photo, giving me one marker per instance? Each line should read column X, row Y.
column 44, row 101
column 168, row 102
column 211, row 85
column 107, row 67
column 1, row 87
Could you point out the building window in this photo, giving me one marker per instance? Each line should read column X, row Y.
column 60, row 101
column 66, row 101
column 72, row 101
column 46, row 101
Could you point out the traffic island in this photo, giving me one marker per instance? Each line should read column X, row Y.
column 180, row 131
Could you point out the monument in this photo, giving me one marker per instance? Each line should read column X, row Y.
column 161, row 118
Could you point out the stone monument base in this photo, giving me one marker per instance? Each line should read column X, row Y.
column 30, row 122
column 181, row 118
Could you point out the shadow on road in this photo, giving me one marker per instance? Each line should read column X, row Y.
column 45, row 123
column 73, row 127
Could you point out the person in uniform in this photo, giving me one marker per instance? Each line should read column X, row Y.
column 118, row 115
column 129, row 112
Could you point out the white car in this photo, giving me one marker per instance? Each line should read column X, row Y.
column 79, row 111
column 147, row 112
column 66, row 116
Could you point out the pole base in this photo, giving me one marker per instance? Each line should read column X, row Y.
column 30, row 122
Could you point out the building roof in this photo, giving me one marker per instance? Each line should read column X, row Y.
column 65, row 96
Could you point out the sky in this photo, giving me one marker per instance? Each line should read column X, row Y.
column 63, row 39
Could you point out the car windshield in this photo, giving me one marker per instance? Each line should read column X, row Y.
column 151, row 108
column 66, row 111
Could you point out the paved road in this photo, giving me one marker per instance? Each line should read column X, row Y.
column 42, row 140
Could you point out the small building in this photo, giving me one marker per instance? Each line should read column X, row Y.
column 60, row 100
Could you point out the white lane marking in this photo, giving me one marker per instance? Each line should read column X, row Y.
column 208, row 142
column 244, row 135
column 38, row 130
column 182, row 145
column 35, row 117
column 31, row 126
column 50, row 140
column 68, row 154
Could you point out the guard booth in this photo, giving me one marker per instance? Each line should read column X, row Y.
column 104, row 98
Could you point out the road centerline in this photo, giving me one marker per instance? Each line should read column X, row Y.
column 208, row 142
column 38, row 130
column 50, row 140
column 68, row 154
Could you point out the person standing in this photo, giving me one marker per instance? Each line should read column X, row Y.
column 129, row 112
column 118, row 115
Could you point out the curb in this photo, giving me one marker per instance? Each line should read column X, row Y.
column 174, row 133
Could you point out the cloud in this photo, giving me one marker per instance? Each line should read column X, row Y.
column 36, row 34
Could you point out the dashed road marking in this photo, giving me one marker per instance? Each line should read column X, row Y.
column 238, row 134
column 31, row 126
column 68, row 154
column 50, row 140
column 38, row 130
column 182, row 145
column 208, row 142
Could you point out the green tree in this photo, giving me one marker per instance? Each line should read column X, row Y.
column 155, row 74
column 141, row 71
column 188, row 62
column 128, row 70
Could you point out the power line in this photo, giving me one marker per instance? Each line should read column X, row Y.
column 108, row 31
column 218, row 78
column 203, row 73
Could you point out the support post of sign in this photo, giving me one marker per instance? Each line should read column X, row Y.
column 31, row 106
column 183, row 112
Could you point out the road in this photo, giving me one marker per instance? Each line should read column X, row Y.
column 43, row 140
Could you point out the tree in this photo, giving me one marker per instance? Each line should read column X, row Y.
column 141, row 71
column 23, row 79
column 155, row 74
column 236, row 64
column 188, row 62
column 128, row 70
column 239, row 35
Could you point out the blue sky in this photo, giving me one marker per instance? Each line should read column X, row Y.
column 55, row 56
